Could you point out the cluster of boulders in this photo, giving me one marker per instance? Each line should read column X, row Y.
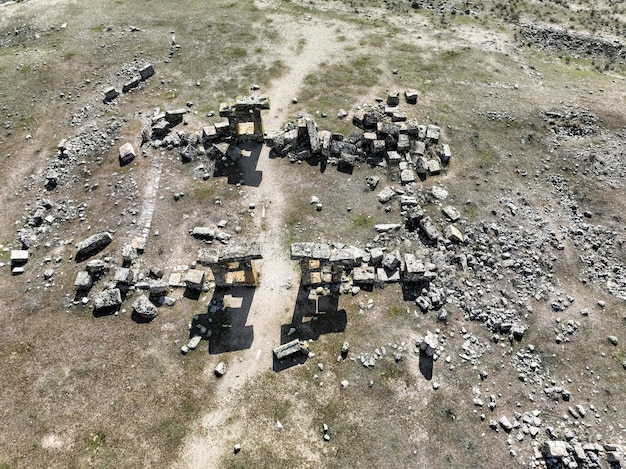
column 352, row 267
column 604, row 159
column 65, row 171
column 124, row 282
column 383, row 137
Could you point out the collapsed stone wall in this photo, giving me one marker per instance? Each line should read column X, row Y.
column 561, row 40
column 382, row 137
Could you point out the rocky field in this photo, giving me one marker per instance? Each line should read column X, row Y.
column 312, row 234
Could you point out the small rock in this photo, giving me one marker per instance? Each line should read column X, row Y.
column 613, row 340
column 220, row 370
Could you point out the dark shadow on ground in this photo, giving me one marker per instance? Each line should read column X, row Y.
column 192, row 293
column 139, row 319
column 345, row 168
column 280, row 365
column 311, row 318
column 101, row 312
column 244, row 170
column 426, row 366
column 411, row 291
column 226, row 328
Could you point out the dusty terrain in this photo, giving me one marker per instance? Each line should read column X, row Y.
column 533, row 330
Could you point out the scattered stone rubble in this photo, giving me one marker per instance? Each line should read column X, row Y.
column 450, row 264
column 601, row 248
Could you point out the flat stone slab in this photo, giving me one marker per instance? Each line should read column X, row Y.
column 83, row 280
column 555, row 449
column 386, row 276
column 451, row 212
column 19, row 256
column 123, row 276
column 306, row 251
column 194, row 279
column 364, row 275
column 176, row 280
column 230, row 253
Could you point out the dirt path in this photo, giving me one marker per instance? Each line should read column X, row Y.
column 274, row 300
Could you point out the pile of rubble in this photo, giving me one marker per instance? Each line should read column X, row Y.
column 384, row 137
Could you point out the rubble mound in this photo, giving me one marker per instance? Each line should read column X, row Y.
column 558, row 39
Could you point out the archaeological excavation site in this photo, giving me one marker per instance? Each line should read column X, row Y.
column 287, row 234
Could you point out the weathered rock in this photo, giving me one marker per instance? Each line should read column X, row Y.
column 110, row 94
column 130, row 84
column 83, row 281
column 393, row 98
column 386, row 195
column 555, row 449
column 96, row 267
column 220, row 370
column 175, row 116
column 364, row 275
column 290, row 348
column 19, row 257
column 129, row 254
column 429, row 229
column 453, row 234
column 451, row 212
column 445, row 154
column 203, row 232
column 123, row 276
column 303, row 251
column 144, row 308
column 194, row 279
column 157, row 288
column 93, row 245
column 429, row 344
column 107, row 299
column 155, row 272
column 411, row 96
column 126, row 154
column 188, row 154
column 505, row 423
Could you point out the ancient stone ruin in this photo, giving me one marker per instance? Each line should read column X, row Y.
column 383, row 137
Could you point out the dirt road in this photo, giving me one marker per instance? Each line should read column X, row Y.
column 273, row 301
